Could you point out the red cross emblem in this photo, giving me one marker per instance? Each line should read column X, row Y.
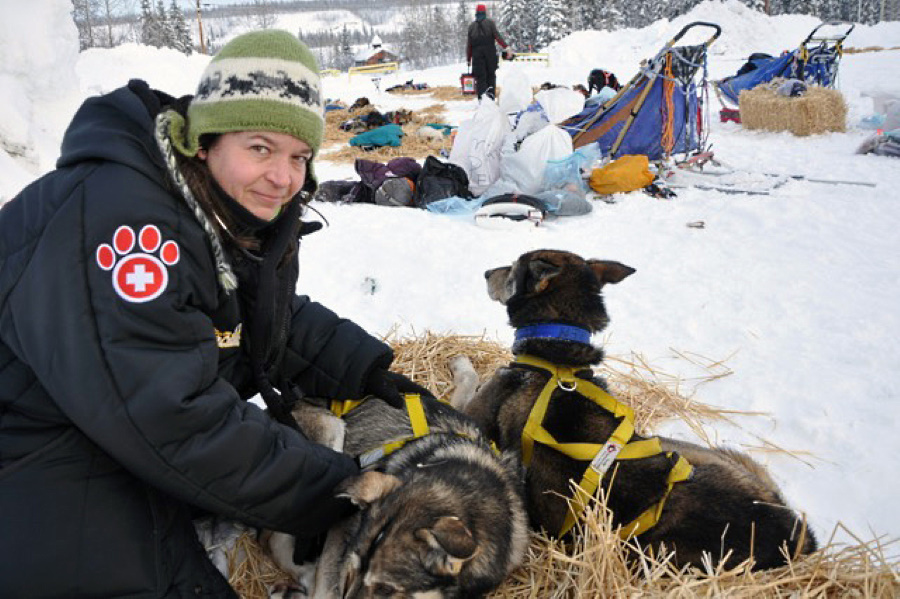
column 138, row 276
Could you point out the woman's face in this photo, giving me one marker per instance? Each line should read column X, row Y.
column 262, row 170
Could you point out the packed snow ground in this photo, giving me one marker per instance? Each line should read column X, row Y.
column 794, row 294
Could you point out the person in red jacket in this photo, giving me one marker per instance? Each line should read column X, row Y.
column 481, row 53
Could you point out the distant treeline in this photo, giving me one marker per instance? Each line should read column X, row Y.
column 431, row 33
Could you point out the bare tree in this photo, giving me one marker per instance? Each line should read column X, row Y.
column 109, row 10
column 264, row 14
column 83, row 11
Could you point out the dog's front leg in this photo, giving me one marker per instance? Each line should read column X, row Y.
column 465, row 382
column 281, row 548
column 329, row 581
column 321, row 426
column 485, row 406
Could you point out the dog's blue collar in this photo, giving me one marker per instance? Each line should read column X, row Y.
column 553, row 331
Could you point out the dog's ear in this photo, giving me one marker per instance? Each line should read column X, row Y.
column 608, row 271
column 497, row 284
column 368, row 487
column 540, row 272
column 450, row 545
column 522, row 278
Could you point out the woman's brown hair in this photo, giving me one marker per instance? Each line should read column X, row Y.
column 200, row 180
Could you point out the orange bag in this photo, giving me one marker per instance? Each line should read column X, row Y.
column 624, row 174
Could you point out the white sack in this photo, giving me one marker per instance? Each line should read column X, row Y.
column 476, row 147
column 516, row 88
column 560, row 103
column 524, row 169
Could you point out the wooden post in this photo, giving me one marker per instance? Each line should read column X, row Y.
column 200, row 28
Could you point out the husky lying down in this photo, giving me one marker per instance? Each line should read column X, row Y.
column 442, row 516
column 692, row 499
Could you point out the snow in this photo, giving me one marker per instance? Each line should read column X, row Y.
column 794, row 293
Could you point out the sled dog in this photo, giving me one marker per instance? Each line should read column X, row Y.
column 441, row 512
column 551, row 408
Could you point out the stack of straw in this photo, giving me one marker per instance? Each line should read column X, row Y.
column 818, row 110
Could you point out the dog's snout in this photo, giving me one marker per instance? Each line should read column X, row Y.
column 489, row 272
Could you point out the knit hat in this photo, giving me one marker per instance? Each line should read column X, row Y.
column 480, row 8
column 263, row 80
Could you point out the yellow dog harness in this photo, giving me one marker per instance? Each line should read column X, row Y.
column 415, row 411
column 619, row 446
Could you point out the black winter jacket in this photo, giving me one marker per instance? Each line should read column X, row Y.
column 122, row 380
column 480, row 40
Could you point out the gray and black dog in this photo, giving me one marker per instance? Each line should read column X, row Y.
column 442, row 516
column 728, row 507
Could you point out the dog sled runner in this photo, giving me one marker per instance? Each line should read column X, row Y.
column 704, row 171
column 660, row 112
column 815, row 61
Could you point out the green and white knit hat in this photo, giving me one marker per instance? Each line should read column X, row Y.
column 262, row 80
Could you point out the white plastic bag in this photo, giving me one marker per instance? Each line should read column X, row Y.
column 524, row 169
column 516, row 86
column 477, row 145
column 559, row 103
column 529, row 121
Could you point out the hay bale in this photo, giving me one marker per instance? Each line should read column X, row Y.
column 819, row 110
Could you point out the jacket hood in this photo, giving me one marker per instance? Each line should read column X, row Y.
column 116, row 127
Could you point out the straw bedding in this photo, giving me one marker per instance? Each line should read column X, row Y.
column 817, row 111
column 598, row 564
column 446, row 93
column 336, row 146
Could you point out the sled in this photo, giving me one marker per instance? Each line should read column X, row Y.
column 660, row 112
column 815, row 61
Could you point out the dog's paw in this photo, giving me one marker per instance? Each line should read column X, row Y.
column 320, row 425
column 465, row 381
column 287, row 590
column 139, row 262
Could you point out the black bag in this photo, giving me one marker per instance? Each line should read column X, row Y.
column 335, row 191
column 439, row 180
column 753, row 62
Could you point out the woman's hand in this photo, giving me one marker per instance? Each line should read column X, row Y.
column 391, row 386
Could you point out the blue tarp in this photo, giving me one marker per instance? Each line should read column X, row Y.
column 766, row 70
column 645, row 134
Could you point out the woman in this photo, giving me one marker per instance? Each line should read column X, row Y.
column 146, row 291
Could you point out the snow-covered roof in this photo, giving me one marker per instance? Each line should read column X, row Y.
column 367, row 53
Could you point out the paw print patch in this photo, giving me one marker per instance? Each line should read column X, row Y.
column 138, row 275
